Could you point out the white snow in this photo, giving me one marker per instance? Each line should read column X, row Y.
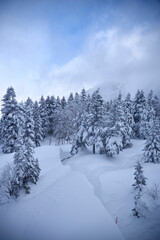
column 81, row 198
column 112, row 179
column 61, row 206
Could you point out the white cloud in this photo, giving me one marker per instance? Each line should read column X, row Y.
column 113, row 61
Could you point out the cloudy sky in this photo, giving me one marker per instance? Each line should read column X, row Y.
column 53, row 47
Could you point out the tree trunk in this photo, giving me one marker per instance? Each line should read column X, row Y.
column 94, row 148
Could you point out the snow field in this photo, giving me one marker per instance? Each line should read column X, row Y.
column 62, row 205
column 112, row 179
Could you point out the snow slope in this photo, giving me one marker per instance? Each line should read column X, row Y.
column 61, row 206
column 112, row 179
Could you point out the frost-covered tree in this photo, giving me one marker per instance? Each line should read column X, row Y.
column 80, row 138
column 152, row 145
column 138, row 107
column 8, row 187
column 128, row 110
column 95, row 118
column 70, row 99
column 107, row 143
column 140, row 181
column 38, row 131
column 9, row 121
column 44, row 116
column 63, row 102
column 119, row 121
column 29, row 122
column 144, row 125
column 51, row 105
column 26, row 166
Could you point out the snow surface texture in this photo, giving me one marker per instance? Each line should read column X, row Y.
column 112, row 179
column 62, row 206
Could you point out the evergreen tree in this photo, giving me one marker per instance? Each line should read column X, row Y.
column 128, row 110
column 51, row 105
column 63, row 102
column 95, row 118
column 138, row 107
column 38, row 131
column 27, row 167
column 144, row 125
column 43, row 116
column 9, row 121
column 140, row 181
column 152, row 145
column 29, row 122
column 70, row 99
column 119, row 121
column 80, row 138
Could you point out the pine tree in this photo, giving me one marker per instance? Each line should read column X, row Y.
column 26, row 166
column 140, row 181
column 29, row 122
column 44, row 116
column 51, row 115
column 9, row 121
column 70, row 99
column 95, row 118
column 80, row 138
column 144, row 125
column 138, row 107
column 63, row 102
column 152, row 145
column 128, row 110
column 119, row 121
column 38, row 131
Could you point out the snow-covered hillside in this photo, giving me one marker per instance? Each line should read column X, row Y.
column 61, row 206
column 81, row 198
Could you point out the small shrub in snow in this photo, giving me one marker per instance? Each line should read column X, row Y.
column 8, row 186
column 153, row 191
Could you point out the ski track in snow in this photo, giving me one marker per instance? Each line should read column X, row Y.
column 94, row 175
column 96, row 172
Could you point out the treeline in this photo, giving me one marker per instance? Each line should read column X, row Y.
column 82, row 119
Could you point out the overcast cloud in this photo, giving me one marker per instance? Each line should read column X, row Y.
column 94, row 44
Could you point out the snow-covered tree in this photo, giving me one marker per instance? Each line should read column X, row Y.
column 26, row 166
column 140, row 182
column 29, row 122
column 38, row 131
column 8, row 187
column 9, row 121
column 138, row 107
column 119, row 121
column 80, row 138
column 107, row 143
column 95, row 118
column 152, row 145
column 144, row 125
column 44, row 116
column 51, row 105
column 63, row 102
column 128, row 110
column 70, row 99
